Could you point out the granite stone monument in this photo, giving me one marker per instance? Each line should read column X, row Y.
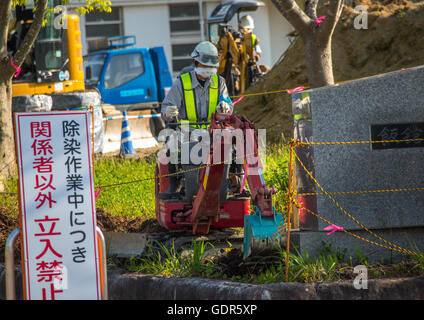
column 380, row 184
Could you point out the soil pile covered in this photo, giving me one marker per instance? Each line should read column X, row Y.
column 115, row 223
column 8, row 223
column 394, row 40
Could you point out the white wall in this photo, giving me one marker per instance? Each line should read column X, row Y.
column 150, row 25
column 279, row 28
column 262, row 31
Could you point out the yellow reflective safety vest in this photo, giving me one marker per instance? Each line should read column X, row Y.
column 190, row 101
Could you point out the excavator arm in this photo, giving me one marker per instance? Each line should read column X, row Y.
column 261, row 194
column 262, row 230
column 207, row 202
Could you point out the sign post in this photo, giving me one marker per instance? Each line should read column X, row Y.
column 60, row 249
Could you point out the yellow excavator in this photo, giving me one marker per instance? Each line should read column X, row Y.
column 53, row 65
column 238, row 63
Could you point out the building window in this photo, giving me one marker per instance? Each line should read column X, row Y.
column 184, row 23
column 103, row 24
column 184, row 19
column 181, row 55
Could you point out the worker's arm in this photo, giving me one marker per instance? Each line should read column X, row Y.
column 257, row 50
column 223, row 97
column 173, row 98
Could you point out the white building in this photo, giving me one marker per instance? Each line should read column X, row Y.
column 179, row 25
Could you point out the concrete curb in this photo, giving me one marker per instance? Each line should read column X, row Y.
column 131, row 286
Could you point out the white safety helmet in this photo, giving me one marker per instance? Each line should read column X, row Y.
column 247, row 22
column 206, row 53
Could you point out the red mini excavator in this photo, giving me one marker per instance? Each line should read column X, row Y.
column 212, row 194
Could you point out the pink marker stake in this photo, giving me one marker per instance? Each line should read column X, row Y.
column 18, row 69
column 333, row 228
column 96, row 195
column 238, row 100
column 319, row 20
column 297, row 89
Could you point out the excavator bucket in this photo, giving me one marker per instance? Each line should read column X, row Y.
column 261, row 233
column 141, row 133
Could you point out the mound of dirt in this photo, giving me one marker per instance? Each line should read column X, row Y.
column 8, row 223
column 232, row 263
column 393, row 40
column 108, row 222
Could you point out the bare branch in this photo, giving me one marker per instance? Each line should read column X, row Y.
column 294, row 15
column 334, row 11
column 23, row 50
column 5, row 10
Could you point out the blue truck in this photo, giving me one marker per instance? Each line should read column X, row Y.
column 129, row 79
column 128, row 76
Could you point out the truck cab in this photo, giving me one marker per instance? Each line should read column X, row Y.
column 128, row 76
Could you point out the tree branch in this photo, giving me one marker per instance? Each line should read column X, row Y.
column 311, row 8
column 24, row 48
column 294, row 15
column 334, row 11
column 5, row 10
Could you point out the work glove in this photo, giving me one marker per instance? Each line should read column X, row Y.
column 171, row 112
column 223, row 107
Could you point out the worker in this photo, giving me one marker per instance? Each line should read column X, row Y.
column 250, row 53
column 246, row 27
column 197, row 94
column 193, row 97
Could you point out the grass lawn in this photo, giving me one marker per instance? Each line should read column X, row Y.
column 331, row 265
column 127, row 186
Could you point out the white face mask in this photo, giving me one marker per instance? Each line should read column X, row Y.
column 205, row 72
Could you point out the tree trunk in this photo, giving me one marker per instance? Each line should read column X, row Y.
column 7, row 143
column 319, row 63
column 316, row 36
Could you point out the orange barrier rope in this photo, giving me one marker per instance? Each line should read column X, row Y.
column 343, row 210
